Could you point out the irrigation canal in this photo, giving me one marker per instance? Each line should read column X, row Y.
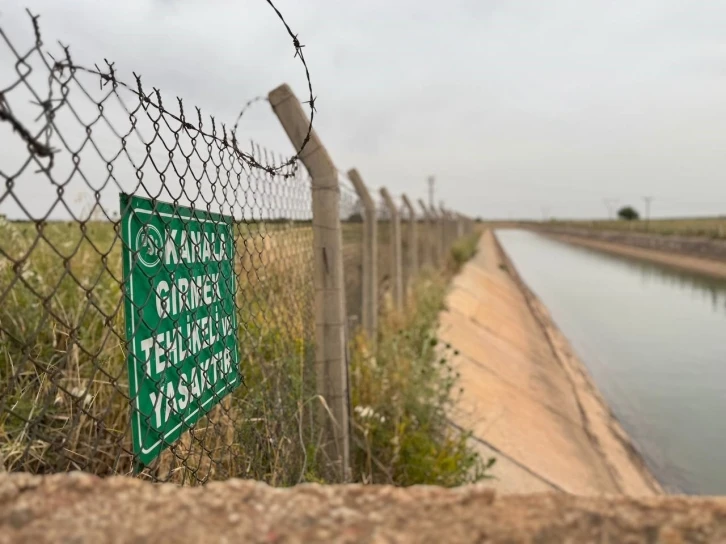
column 653, row 339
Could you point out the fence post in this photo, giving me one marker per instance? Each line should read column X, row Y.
column 459, row 225
column 330, row 348
column 450, row 232
column 427, row 251
column 445, row 230
column 396, row 260
column 438, row 236
column 412, row 257
column 435, row 235
column 370, row 256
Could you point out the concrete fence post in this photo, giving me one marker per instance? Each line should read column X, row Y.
column 328, row 282
column 436, row 239
column 370, row 256
column 396, row 261
column 427, row 249
column 447, row 228
column 412, row 242
column 446, row 220
column 446, row 231
column 440, row 234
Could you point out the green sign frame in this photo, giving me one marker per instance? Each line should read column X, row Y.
column 181, row 319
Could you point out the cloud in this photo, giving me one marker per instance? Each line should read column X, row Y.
column 512, row 105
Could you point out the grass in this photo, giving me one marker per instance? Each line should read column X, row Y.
column 463, row 250
column 64, row 395
column 401, row 395
column 707, row 227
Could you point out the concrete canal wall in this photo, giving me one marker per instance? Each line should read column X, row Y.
column 527, row 398
column 700, row 255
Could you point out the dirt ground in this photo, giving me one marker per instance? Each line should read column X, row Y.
column 81, row 508
column 528, row 399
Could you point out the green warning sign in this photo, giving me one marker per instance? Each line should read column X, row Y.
column 181, row 325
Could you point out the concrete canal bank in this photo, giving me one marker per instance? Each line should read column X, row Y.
column 527, row 398
column 700, row 255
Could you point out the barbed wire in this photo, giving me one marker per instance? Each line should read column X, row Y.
column 59, row 67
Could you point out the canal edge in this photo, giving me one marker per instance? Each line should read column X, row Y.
column 574, row 368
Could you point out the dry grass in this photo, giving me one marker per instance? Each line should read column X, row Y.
column 708, row 227
column 64, row 398
column 64, row 395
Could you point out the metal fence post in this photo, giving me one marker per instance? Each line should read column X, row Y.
column 396, row 260
column 328, row 281
column 412, row 257
column 370, row 254
column 426, row 250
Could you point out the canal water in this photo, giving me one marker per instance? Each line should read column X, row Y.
column 654, row 341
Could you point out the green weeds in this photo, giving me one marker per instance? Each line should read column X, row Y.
column 401, row 395
column 463, row 250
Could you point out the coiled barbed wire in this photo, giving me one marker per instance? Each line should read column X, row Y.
column 59, row 68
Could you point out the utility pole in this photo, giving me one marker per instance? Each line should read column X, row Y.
column 648, row 200
column 610, row 204
column 431, row 181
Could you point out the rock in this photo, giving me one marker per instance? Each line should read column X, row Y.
column 85, row 509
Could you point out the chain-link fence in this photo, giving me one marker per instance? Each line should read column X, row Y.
column 425, row 250
column 351, row 216
column 118, row 316
column 158, row 309
column 385, row 255
column 408, row 262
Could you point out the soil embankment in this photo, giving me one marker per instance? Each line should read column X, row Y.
column 85, row 509
column 700, row 255
column 527, row 398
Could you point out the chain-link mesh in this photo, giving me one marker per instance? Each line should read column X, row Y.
column 73, row 141
column 351, row 215
column 425, row 244
column 407, row 260
column 385, row 255
column 156, row 283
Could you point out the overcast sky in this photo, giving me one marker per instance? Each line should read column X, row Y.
column 519, row 108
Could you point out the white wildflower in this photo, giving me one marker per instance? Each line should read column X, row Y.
column 365, row 412
column 78, row 393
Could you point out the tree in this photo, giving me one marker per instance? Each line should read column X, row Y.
column 628, row 213
column 355, row 217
